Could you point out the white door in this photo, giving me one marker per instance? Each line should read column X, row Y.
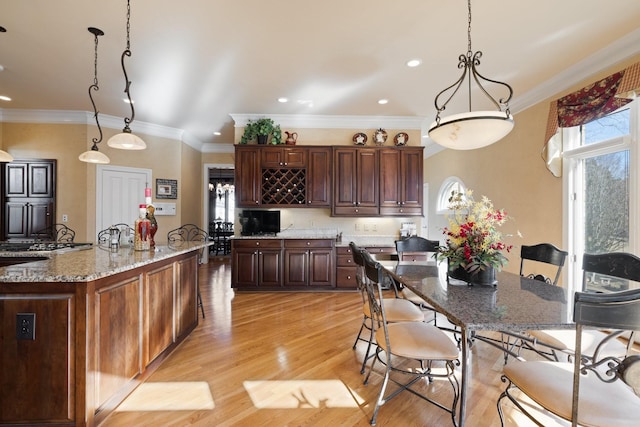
column 119, row 192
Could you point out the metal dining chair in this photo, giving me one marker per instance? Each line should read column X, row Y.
column 398, row 309
column 408, row 350
column 544, row 253
column 597, row 390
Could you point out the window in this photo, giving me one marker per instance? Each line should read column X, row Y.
column 600, row 160
column 451, row 184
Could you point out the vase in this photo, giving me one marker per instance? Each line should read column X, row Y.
column 262, row 139
column 478, row 277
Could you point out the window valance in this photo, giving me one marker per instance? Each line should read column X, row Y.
column 587, row 104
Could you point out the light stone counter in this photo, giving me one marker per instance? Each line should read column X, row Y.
column 87, row 264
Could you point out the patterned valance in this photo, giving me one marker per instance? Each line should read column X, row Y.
column 585, row 105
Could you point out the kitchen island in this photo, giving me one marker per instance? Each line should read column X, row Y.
column 80, row 329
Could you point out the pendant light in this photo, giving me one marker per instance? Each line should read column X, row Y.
column 473, row 129
column 126, row 140
column 93, row 155
column 4, row 156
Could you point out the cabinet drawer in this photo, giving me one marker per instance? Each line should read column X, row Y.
column 345, row 260
column 257, row 243
column 346, row 278
column 383, row 253
column 308, row 243
column 356, row 211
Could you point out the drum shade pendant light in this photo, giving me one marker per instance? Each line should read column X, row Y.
column 473, row 129
column 93, row 155
column 126, row 140
column 4, row 156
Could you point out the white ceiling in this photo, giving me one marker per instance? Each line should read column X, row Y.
column 194, row 62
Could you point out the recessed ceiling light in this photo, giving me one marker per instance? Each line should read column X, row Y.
column 413, row 63
column 283, row 100
column 4, row 98
column 382, row 101
column 217, row 133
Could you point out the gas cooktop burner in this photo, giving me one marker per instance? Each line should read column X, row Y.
column 39, row 246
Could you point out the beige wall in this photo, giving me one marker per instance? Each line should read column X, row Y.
column 513, row 175
column 76, row 180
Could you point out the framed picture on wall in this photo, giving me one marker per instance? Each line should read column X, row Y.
column 166, row 188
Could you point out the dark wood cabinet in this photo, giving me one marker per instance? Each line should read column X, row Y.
column 274, row 176
column 355, row 179
column 401, row 181
column 28, row 199
column 345, row 268
column 283, row 157
column 247, row 177
column 256, row 263
column 308, row 263
column 319, row 177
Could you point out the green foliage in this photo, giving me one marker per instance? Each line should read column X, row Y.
column 264, row 126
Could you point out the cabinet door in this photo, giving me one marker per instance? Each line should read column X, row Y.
column 15, row 221
column 319, row 177
column 15, row 180
column 321, row 267
column 269, row 268
column 245, row 268
column 355, row 175
column 282, row 157
column 39, row 218
column 41, row 181
column 247, row 177
column 401, row 181
column 296, row 267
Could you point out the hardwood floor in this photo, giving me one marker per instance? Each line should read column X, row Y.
column 286, row 359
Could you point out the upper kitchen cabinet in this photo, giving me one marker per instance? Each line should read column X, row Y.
column 401, row 176
column 355, row 181
column 28, row 198
column 283, row 157
column 247, row 176
column 276, row 176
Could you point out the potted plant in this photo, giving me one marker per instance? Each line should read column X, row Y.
column 260, row 131
column 474, row 246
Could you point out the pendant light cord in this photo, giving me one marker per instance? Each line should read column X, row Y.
column 127, row 52
column 96, row 32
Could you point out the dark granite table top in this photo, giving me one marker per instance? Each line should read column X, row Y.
column 516, row 303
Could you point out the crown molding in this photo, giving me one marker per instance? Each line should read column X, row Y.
column 618, row 51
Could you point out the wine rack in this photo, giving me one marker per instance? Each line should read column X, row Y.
column 284, row 186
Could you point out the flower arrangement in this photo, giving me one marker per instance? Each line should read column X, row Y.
column 474, row 242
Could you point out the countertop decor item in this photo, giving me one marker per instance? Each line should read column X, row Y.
column 474, row 243
column 260, row 130
column 473, row 129
column 292, row 138
column 360, row 138
column 401, row 139
column 380, row 136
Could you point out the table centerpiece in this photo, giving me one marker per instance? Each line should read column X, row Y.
column 474, row 246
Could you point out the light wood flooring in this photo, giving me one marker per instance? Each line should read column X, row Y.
column 286, row 359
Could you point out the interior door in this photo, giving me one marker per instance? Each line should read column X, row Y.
column 119, row 192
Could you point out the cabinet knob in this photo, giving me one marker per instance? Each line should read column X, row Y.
column 349, row 261
column 401, row 210
column 308, row 243
column 356, row 211
column 349, row 276
column 257, row 243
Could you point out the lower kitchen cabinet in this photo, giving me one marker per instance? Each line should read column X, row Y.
column 256, row 263
column 272, row 264
column 308, row 263
column 345, row 268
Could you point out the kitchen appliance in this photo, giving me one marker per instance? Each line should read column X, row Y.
column 41, row 246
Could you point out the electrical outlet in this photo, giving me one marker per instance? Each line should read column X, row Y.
column 366, row 227
column 374, row 227
column 357, row 227
column 26, row 326
column 65, row 218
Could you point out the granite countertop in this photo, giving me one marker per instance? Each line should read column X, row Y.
column 87, row 264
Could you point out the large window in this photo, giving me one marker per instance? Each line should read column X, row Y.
column 600, row 182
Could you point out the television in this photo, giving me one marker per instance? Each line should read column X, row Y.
column 259, row 222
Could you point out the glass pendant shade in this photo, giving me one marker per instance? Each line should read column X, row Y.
column 94, row 156
column 126, row 141
column 5, row 157
column 471, row 130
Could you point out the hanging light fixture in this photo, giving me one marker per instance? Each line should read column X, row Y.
column 93, row 155
column 126, row 140
column 474, row 129
column 4, row 156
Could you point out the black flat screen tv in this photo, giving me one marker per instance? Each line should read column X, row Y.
column 259, row 222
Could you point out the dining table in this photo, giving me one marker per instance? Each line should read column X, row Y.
column 513, row 305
